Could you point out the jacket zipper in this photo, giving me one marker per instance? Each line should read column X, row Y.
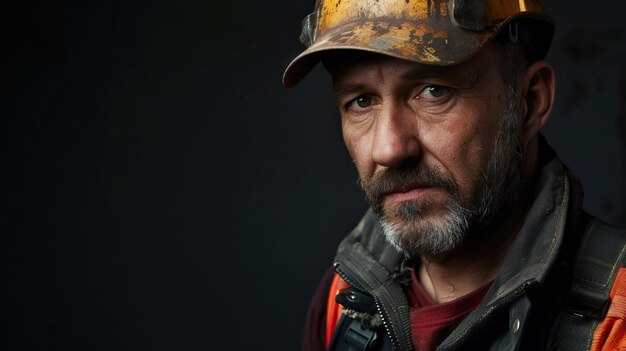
column 388, row 326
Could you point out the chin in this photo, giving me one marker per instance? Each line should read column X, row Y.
column 424, row 237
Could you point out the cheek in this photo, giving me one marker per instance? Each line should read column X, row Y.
column 459, row 142
column 359, row 147
column 464, row 150
column 349, row 140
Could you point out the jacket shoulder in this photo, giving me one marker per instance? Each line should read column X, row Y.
column 610, row 243
column 594, row 315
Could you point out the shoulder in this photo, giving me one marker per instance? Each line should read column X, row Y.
column 314, row 337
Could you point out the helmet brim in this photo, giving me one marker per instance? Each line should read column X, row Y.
column 439, row 44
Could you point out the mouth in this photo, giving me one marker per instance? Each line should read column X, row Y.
column 413, row 192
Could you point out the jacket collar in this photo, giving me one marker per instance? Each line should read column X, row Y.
column 536, row 246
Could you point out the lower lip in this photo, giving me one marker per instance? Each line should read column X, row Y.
column 409, row 195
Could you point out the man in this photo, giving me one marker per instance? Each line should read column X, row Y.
column 475, row 239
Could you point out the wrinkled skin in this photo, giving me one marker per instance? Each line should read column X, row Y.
column 424, row 141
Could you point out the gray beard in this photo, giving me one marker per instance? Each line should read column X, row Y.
column 499, row 186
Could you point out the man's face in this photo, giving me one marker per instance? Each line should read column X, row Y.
column 436, row 148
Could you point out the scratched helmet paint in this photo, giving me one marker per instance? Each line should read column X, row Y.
column 436, row 32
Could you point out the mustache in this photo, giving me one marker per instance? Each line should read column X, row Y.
column 404, row 178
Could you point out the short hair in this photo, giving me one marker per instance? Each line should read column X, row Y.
column 515, row 58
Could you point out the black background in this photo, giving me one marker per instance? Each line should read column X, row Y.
column 162, row 190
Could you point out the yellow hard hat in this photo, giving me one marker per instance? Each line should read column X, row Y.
column 437, row 32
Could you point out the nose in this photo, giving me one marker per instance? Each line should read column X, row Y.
column 395, row 137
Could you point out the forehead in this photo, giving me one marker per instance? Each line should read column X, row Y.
column 363, row 66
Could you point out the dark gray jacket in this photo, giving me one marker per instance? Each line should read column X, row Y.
column 523, row 304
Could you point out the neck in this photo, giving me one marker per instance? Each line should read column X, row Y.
column 450, row 275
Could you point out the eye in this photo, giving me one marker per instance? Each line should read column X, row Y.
column 362, row 102
column 434, row 93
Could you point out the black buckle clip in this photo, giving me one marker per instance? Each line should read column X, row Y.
column 359, row 337
column 588, row 304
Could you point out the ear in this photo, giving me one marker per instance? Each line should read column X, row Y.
column 537, row 94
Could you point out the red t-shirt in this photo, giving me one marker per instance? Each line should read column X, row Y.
column 431, row 323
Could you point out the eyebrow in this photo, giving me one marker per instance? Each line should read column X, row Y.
column 346, row 89
column 340, row 90
column 470, row 75
column 428, row 71
column 454, row 74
